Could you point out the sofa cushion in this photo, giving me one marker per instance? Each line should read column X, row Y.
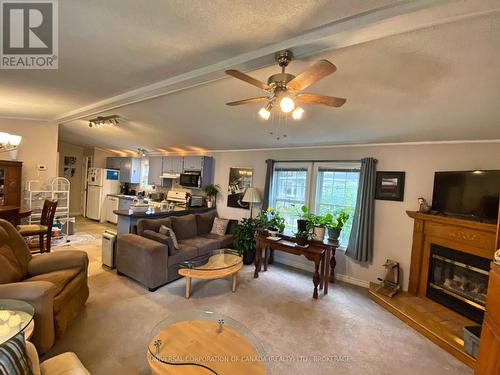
column 204, row 222
column 184, row 226
column 185, row 252
column 152, row 224
column 65, row 363
column 203, row 244
column 14, row 254
column 60, row 279
column 159, row 237
column 225, row 241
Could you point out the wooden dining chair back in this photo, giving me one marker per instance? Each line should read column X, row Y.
column 44, row 229
column 11, row 214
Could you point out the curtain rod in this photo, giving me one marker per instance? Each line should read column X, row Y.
column 318, row 161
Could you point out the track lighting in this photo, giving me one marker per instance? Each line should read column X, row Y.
column 104, row 120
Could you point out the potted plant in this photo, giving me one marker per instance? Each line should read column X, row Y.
column 211, row 192
column 336, row 224
column 272, row 221
column 304, row 216
column 302, row 236
column 318, row 225
column 244, row 239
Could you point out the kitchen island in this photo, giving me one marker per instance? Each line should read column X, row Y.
column 127, row 219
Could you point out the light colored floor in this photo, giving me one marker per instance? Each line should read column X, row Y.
column 111, row 335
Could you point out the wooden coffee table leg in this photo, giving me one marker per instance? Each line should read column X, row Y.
column 188, row 287
column 235, row 280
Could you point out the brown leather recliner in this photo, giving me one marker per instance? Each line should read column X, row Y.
column 55, row 284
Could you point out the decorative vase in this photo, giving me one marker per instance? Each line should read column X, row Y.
column 210, row 204
column 319, row 233
column 301, row 225
column 334, row 233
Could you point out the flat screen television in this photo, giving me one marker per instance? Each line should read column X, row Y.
column 470, row 194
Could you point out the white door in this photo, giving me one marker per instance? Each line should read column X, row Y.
column 94, row 202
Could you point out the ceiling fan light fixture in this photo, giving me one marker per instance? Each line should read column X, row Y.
column 298, row 113
column 287, row 104
column 264, row 113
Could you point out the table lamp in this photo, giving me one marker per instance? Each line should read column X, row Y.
column 251, row 196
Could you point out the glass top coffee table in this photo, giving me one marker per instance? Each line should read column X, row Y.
column 15, row 316
column 204, row 343
column 216, row 265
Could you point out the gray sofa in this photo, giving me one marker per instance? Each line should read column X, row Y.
column 151, row 258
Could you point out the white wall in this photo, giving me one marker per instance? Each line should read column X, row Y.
column 393, row 228
column 38, row 146
column 75, row 201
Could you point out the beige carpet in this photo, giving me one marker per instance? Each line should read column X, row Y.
column 111, row 335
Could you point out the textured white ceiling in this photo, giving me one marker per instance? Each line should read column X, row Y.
column 439, row 83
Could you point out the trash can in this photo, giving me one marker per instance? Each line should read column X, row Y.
column 68, row 226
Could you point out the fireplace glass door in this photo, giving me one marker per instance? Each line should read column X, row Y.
column 459, row 281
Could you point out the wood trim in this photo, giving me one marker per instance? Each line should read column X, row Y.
column 492, row 228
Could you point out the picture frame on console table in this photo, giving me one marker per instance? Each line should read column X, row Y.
column 239, row 180
column 390, row 186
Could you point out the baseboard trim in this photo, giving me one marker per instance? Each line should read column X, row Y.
column 308, row 267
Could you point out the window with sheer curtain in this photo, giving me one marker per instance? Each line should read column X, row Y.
column 323, row 187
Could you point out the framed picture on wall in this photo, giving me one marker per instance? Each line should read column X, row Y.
column 390, row 186
column 239, row 180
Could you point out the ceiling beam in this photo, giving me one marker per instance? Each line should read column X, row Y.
column 363, row 27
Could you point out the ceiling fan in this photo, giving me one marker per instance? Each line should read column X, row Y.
column 286, row 89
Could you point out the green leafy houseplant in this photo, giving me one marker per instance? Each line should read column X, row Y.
column 336, row 224
column 211, row 192
column 271, row 220
column 244, row 238
column 318, row 224
column 303, row 217
column 302, row 236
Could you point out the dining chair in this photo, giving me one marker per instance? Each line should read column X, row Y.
column 10, row 214
column 44, row 229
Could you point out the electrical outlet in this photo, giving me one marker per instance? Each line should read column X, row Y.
column 41, row 167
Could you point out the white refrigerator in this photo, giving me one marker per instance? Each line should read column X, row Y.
column 100, row 183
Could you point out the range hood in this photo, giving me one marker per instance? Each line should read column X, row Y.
column 171, row 176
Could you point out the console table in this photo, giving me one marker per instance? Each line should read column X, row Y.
column 321, row 253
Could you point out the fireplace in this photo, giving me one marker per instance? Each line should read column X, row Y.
column 458, row 281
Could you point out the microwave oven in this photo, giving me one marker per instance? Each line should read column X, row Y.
column 190, row 180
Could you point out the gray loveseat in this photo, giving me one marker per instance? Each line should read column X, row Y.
column 151, row 258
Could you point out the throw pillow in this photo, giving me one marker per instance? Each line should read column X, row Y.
column 169, row 233
column 162, row 238
column 204, row 222
column 184, row 226
column 13, row 357
column 220, row 226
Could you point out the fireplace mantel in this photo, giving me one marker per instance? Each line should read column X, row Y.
column 469, row 236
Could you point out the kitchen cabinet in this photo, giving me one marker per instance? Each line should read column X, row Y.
column 155, row 170
column 130, row 168
column 193, row 163
column 113, row 162
column 112, row 204
column 173, row 164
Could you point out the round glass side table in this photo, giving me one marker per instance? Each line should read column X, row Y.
column 205, row 343
column 15, row 316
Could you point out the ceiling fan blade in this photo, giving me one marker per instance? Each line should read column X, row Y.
column 320, row 99
column 248, row 79
column 249, row 100
column 314, row 73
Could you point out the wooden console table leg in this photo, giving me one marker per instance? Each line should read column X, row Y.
column 188, row 287
column 235, row 280
column 333, row 263
column 266, row 259
column 327, row 269
column 258, row 255
column 322, row 272
column 316, row 278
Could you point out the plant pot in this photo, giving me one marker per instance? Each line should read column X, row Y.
column 334, row 233
column 273, row 232
column 248, row 257
column 301, row 241
column 319, row 233
column 301, row 225
column 210, row 204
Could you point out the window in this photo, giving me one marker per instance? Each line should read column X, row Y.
column 323, row 187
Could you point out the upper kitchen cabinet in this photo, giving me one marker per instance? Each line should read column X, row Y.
column 193, row 163
column 155, row 170
column 173, row 164
column 113, row 163
column 130, row 168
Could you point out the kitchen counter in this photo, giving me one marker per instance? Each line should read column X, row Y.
column 127, row 219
